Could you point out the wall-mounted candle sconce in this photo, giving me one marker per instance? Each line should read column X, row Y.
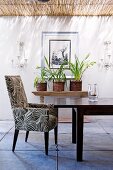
column 106, row 62
column 20, row 60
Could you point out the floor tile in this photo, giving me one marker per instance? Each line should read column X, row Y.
column 97, row 148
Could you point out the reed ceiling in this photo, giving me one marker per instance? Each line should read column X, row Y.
column 56, row 8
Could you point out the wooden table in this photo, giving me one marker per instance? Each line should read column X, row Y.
column 84, row 107
column 104, row 106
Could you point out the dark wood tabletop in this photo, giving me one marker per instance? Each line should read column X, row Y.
column 68, row 101
column 104, row 106
column 81, row 107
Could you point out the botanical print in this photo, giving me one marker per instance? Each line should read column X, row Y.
column 59, row 52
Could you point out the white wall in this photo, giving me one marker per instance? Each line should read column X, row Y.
column 93, row 31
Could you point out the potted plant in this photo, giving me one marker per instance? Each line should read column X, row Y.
column 57, row 76
column 40, row 82
column 77, row 69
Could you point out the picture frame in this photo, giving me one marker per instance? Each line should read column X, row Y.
column 59, row 52
column 59, row 47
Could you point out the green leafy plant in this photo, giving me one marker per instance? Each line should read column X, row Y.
column 79, row 67
column 55, row 74
column 42, row 78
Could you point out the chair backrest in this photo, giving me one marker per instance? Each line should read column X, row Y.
column 16, row 91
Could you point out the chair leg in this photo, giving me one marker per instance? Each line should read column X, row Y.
column 15, row 139
column 27, row 134
column 46, row 136
column 56, row 134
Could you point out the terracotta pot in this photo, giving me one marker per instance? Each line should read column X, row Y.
column 75, row 85
column 41, row 87
column 58, row 86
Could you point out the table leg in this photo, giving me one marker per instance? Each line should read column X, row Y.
column 79, row 134
column 73, row 125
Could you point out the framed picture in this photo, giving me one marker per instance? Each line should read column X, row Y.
column 59, row 47
column 59, row 52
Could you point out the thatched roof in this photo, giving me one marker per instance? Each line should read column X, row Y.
column 56, row 8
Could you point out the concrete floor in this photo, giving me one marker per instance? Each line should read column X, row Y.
column 97, row 154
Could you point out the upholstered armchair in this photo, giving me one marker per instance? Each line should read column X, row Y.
column 28, row 116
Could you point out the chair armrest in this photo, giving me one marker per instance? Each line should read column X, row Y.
column 36, row 119
column 35, row 105
column 52, row 111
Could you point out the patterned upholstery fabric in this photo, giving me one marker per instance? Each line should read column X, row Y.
column 52, row 111
column 16, row 91
column 28, row 116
